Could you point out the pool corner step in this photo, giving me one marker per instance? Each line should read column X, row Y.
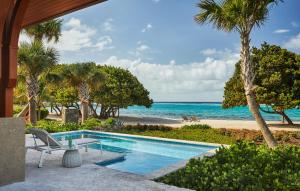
column 112, row 161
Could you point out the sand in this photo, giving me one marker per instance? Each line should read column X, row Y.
column 230, row 124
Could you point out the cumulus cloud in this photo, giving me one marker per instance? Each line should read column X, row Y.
column 77, row 36
column 179, row 82
column 140, row 49
column 293, row 43
column 279, row 31
column 104, row 43
column 108, row 25
column 148, row 27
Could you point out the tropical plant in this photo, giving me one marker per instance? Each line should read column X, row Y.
column 241, row 16
column 83, row 76
column 35, row 60
column 277, row 81
column 119, row 90
column 49, row 30
column 242, row 166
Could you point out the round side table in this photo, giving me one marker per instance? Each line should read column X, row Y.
column 71, row 158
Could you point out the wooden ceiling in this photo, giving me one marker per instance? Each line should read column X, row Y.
column 41, row 10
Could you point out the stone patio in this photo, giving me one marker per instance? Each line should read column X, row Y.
column 87, row 177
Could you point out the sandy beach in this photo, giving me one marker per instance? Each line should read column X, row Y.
column 214, row 123
column 230, row 124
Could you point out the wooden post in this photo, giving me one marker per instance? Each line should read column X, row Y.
column 11, row 27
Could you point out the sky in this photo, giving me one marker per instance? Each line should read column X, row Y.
column 175, row 58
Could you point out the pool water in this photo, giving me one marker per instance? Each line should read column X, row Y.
column 142, row 155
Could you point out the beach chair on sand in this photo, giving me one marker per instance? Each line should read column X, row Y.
column 185, row 118
column 194, row 119
column 51, row 144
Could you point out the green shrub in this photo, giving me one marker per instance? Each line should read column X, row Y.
column 92, row 123
column 243, row 166
column 143, row 128
column 196, row 126
column 17, row 109
column 109, row 123
column 44, row 113
column 56, row 126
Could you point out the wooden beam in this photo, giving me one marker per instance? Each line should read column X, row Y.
column 41, row 10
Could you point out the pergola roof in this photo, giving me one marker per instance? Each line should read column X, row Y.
column 40, row 10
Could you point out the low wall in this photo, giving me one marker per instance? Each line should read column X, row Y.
column 12, row 150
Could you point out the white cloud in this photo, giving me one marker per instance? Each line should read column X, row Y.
column 73, row 22
column 209, row 51
column 140, row 49
column 77, row 36
column 279, row 31
column 104, row 43
column 108, row 25
column 148, row 27
column 172, row 62
column 293, row 43
column 181, row 82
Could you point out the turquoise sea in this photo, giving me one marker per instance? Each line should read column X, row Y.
column 203, row 110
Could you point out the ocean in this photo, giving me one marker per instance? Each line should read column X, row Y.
column 203, row 110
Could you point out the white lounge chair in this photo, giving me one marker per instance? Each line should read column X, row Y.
column 51, row 144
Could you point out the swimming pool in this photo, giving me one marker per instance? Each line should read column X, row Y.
column 142, row 155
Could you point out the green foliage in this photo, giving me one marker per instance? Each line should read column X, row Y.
column 119, row 90
column 196, row 126
column 17, row 109
column 109, row 123
column 143, row 128
column 65, row 96
column 277, row 80
column 234, row 90
column 49, row 30
column 44, row 113
column 202, row 133
column 92, row 123
column 243, row 166
column 34, row 58
column 55, row 126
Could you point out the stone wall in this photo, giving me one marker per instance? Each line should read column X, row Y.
column 70, row 115
column 12, row 150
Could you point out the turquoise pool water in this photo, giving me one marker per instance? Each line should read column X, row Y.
column 142, row 156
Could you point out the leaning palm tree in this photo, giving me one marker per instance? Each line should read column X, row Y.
column 49, row 30
column 34, row 60
column 84, row 77
column 241, row 16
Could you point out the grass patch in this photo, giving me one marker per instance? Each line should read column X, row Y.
column 202, row 133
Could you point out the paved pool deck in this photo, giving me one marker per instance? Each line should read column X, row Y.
column 90, row 177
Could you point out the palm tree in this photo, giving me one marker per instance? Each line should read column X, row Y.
column 49, row 30
column 241, row 16
column 35, row 60
column 84, row 77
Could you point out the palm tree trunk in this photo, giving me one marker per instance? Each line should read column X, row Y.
column 32, row 89
column 247, row 75
column 84, row 111
column 84, row 94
